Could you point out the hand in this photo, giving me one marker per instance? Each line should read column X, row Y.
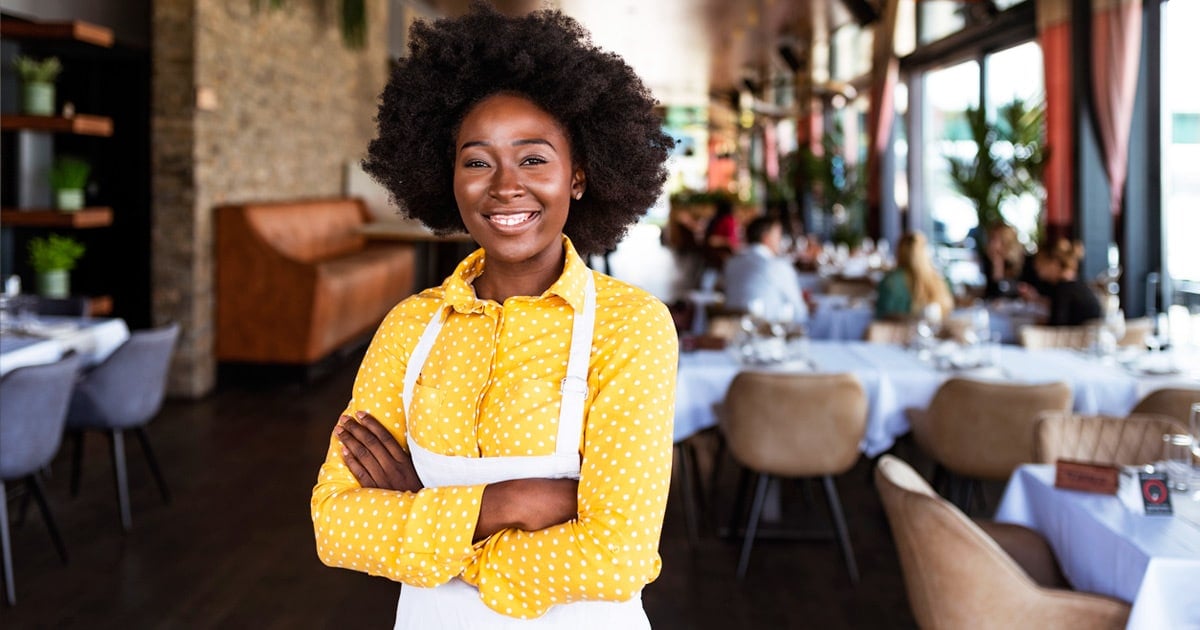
column 374, row 457
column 527, row 504
column 1027, row 292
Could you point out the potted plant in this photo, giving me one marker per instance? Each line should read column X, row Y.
column 52, row 258
column 1010, row 156
column 68, row 178
column 37, row 81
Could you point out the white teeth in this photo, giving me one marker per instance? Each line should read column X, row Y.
column 511, row 219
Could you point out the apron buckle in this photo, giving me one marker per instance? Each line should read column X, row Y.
column 579, row 386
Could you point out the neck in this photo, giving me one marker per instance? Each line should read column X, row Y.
column 500, row 281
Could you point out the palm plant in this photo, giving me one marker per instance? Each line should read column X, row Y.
column 1010, row 156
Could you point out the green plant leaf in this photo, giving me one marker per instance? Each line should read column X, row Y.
column 54, row 252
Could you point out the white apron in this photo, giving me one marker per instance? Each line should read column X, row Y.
column 456, row 604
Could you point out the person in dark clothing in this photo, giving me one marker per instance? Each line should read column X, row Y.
column 1071, row 301
column 1005, row 264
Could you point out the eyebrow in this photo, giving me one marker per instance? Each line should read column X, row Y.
column 515, row 143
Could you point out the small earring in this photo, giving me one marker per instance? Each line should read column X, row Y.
column 579, row 195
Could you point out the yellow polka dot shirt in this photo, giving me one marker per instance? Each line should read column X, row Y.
column 490, row 388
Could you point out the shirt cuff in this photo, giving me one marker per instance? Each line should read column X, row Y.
column 442, row 523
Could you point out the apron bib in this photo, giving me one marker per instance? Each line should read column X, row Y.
column 456, row 604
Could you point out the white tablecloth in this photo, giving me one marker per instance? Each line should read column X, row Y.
column 1106, row 545
column 895, row 379
column 93, row 338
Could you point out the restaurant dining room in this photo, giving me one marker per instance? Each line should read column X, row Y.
column 862, row 314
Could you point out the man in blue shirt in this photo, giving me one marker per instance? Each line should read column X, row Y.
column 759, row 278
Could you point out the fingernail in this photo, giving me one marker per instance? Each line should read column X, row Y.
column 361, row 414
column 338, row 430
column 342, row 419
column 345, row 451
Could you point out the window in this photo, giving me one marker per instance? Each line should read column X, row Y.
column 1007, row 74
column 1181, row 139
column 948, row 93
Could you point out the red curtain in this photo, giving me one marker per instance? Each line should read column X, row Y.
column 885, row 72
column 1116, row 53
column 1054, row 33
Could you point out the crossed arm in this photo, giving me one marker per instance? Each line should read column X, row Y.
column 377, row 460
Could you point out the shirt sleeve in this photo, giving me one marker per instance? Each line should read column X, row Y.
column 611, row 550
column 419, row 538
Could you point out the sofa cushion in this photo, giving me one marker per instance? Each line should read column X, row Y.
column 310, row 231
column 356, row 291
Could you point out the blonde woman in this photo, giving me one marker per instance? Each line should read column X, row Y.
column 1005, row 264
column 914, row 284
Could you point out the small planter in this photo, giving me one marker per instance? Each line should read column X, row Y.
column 69, row 199
column 38, row 98
column 54, row 284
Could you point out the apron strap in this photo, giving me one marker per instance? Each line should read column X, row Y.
column 417, row 359
column 574, row 387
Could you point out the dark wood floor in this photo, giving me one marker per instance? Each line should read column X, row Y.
column 235, row 548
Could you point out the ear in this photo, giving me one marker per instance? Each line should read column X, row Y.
column 578, row 183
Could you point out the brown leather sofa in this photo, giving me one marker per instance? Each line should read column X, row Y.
column 297, row 280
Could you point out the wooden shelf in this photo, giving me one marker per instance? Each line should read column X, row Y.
column 93, row 217
column 58, row 31
column 82, row 124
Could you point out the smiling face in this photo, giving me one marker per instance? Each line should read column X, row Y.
column 514, row 178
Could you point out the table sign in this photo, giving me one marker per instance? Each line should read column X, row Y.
column 1155, row 496
column 1086, row 476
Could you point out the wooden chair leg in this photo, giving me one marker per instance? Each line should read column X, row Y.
column 839, row 522
column 760, row 497
column 39, row 495
column 10, row 589
column 144, row 438
column 117, row 437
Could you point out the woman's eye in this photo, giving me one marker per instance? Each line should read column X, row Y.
column 475, row 164
column 533, row 159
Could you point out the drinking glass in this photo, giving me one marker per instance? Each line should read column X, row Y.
column 1195, row 427
column 1177, row 460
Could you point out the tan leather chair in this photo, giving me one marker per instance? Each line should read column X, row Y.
column 795, row 425
column 983, row 430
column 957, row 576
column 1175, row 402
column 1038, row 337
column 1129, row 441
column 890, row 331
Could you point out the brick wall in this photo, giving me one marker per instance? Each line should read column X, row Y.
column 283, row 106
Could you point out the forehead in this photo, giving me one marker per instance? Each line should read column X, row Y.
column 509, row 114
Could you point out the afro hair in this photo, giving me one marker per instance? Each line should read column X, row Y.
column 547, row 57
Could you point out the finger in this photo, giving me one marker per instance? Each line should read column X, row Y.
column 356, row 468
column 351, row 435
column 393, row 471
column 383, row 435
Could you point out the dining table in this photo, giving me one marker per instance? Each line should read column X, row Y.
column 44, row 339
column 1107, row 544
column 896, row 378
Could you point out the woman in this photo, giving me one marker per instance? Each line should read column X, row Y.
column 506, row 453
column 1070, row 301
column 1006, row 264
column 914, row 284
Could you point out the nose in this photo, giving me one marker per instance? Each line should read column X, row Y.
column 505, row 183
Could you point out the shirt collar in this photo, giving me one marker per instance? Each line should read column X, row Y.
column 459, row 290
column 762, row 250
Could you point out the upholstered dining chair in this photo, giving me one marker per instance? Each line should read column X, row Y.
column 795, row 426
column 124, row 392
column 33, row 411
column 981, row 430
column 958, row 576
column 1175, row 402
column 1136, row 439
column 889, row 331
column 1035, row 337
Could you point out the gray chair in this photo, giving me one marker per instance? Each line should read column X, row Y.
column 33, row 412
column 124, row 392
